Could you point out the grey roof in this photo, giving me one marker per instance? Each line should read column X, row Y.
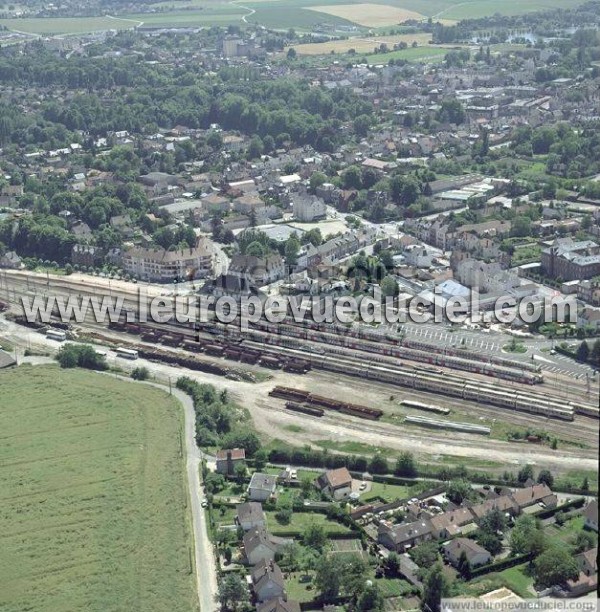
column 255, row 537
column 250, row 511
column 264, row 571
column 470, row 547
column 263, row 482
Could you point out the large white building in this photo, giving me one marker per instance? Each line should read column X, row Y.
column 308, row 207
column 162, row 266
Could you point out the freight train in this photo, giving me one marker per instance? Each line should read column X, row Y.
column 297, row 396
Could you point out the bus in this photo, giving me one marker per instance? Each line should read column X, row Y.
column 56, row 334
column 126, row 353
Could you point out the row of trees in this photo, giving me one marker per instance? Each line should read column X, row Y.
column 219, row 421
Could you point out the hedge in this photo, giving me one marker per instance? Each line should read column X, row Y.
column 575, row 503
column 501, row 565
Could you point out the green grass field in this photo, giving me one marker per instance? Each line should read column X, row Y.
column 92, row 495
column 410, row 55
column 301, row 520
column 517, row 579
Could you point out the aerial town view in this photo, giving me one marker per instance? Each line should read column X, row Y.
column 299, row 305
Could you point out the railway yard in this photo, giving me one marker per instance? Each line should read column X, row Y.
column 305, row 377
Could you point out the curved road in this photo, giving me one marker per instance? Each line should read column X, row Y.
column 206, row 573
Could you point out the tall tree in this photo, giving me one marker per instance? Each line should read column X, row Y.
column 555, row 566
column 435, row 587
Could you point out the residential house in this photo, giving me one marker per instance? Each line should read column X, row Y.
column 258, row 270
column 476, row 554
column 588, row 561
column 418, row 256
column 308, row 207
column 81, row 229
column 589, row 291
column 249, row 515
column 504, row 503
column 278, row 604
column 450, row 523
column 228, row 458
column 87, row 256
column 591, row 515
column 259, row 545
column 216, row 204
column 589, row 317
column 336, row 483
column 160, row 265
column 267, row 581
column 401, row 537
column 587, row 580
column 262, row 486
column 535, row 494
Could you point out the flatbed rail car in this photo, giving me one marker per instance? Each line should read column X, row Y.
column 289, row 393
column 311, row 410
column 126, row 353
column 423, row 406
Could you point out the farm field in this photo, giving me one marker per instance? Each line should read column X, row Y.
column 361, row 44
column 220, row 15
column 92, row 495
column 369, row 15
column 303, row 15
column 66, row 25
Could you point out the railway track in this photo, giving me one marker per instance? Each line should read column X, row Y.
column 362, row 360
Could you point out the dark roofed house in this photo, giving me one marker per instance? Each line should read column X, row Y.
column 228, row 458
column 259, row 545
column 476, row 555
column 249, row 515
column 402, row 537
column 587, row 580
column 336, row 483
column 267, row 581
column 279, row 604
column 591, row 515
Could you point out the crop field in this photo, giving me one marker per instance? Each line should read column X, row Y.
column 303, row 15
column 66, row 25
column 369, row 15
column 92, row 495
column 362, row 45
